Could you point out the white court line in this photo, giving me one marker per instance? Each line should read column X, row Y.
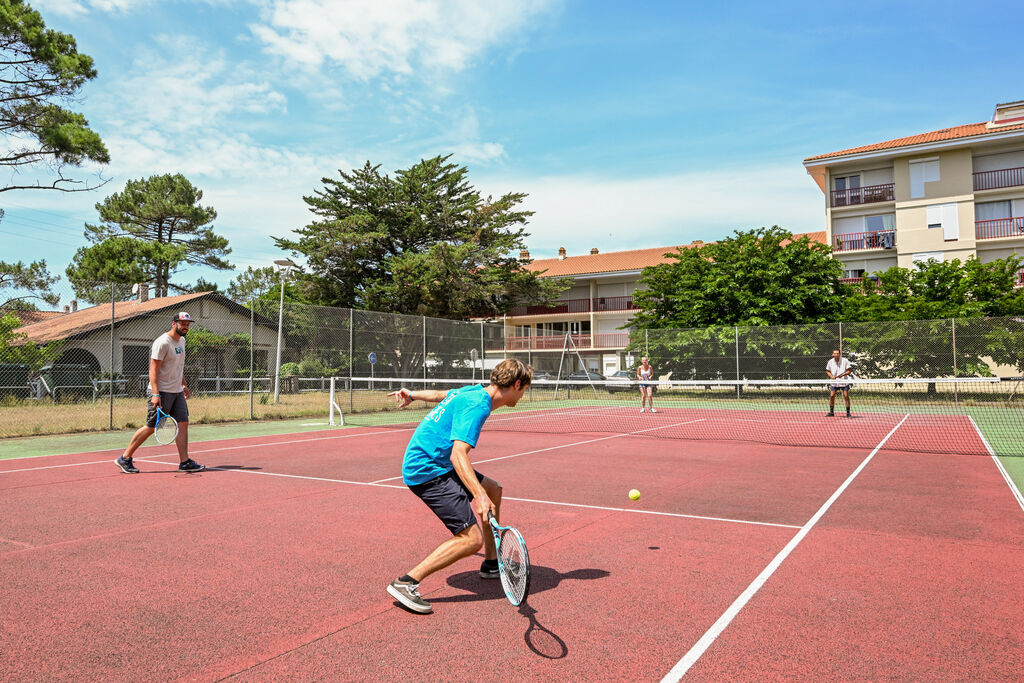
column 567, row 445
column 52, row 467
column 1006, row 475
column 701, row 646
column 520, row 500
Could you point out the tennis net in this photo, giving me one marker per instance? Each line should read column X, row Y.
column 982, row 416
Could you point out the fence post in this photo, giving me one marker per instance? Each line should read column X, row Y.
column 112, row 306
column 840, row 339
column 647, row 343
column 424, row 360
column 351, row 358
column 738, row 390
column 252, row 357
column 482, row 351
column 952, row 323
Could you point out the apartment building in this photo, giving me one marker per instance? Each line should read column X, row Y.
column 947, row 194
column 595, row 313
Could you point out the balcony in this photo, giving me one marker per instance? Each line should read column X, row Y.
column 860, row 241
column 598, row 304
column 556, row 342
column 999, row 227
column 851, row 280
column 1003, row 177
column 863, row 195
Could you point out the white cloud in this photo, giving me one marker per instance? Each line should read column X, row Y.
column 614, row 214
column 179, row 85
column 73, row 8
column 393, row 37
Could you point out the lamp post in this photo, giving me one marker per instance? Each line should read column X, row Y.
column 285, row 266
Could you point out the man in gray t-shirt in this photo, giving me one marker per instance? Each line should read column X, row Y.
column 168, row 391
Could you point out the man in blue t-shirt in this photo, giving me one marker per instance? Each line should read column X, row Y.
column 437, row 469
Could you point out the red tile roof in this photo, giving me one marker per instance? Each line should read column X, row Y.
column 966, row 131
column 29, row 317
column 617, row 261
column 89, row 319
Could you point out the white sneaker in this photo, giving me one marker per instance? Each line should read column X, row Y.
column 643, row 410
column 653, row 410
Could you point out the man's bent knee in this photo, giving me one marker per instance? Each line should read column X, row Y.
column 472, row 539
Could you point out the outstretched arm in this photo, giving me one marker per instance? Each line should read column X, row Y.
column 404, row 397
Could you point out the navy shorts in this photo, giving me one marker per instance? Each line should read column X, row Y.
column 171, row 403
column 449, row 499
column 840, row 387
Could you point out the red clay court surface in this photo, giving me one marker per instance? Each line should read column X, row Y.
column 740, row 562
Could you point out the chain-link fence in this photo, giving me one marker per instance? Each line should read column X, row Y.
column 968, row 347
column 81, row 363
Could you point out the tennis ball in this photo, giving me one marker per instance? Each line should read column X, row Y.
column 634, row 494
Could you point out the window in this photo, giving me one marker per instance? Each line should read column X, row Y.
column 922, row 171
column 853, row 272
column 849, row 182
column 944, row 216
column 879, row 223
column 921, row 258
column 991, row 211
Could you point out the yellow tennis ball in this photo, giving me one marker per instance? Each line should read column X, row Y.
column 634, row 494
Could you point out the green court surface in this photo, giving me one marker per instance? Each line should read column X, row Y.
column 31, row 446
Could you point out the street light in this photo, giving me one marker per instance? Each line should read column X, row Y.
column 285, row 266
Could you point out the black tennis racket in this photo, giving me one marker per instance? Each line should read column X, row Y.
column 166, row 427
column 513, row 561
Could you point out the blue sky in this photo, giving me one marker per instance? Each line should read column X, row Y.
column 630, row 125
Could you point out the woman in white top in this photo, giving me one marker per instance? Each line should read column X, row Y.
column 645, row 373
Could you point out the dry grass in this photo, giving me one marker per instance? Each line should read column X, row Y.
column 44, row 417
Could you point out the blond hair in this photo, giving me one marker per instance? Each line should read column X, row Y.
column 509, row 371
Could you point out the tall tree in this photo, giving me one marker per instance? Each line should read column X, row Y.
column 41, row 71
column 757, row 277
column 26, row 283
column 254, row 283
column 147, row 232
column 423, row 242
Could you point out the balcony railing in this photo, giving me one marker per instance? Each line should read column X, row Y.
column 851, row 280
column 1003, row 177
column 863, row 195
column 859, row 241
column 999, row 227
column 1020, row 278
column 602, row 303
column 555, row 342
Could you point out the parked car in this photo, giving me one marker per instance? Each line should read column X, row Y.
column 540, row 375
column 623, row 381
column 585, row 376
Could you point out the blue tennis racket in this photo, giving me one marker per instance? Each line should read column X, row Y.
column 166, row 427
column 513, row 561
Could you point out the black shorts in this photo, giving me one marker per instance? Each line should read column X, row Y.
column 449, row 499
column 171, row 403
column 839, row 387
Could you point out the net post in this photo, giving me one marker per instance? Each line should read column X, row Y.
column 333, row 405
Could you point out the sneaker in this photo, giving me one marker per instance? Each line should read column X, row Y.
column 830, row 414
column 489, row 569
column 191, row 465
column 127, row 466
column 848, row 414
column 643, row 410
column 409, row 595
column 653, row 410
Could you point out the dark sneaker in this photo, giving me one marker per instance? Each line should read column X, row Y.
column 830, row 414
column 489, row 569
column 127, row 466
column 409, row 595
column 848, row 414
column 191, row 465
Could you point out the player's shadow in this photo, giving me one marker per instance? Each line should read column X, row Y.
column 541, row 579
column 232, row 467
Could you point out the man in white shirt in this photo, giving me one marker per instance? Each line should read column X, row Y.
column 168, row 391
column 836, row 369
